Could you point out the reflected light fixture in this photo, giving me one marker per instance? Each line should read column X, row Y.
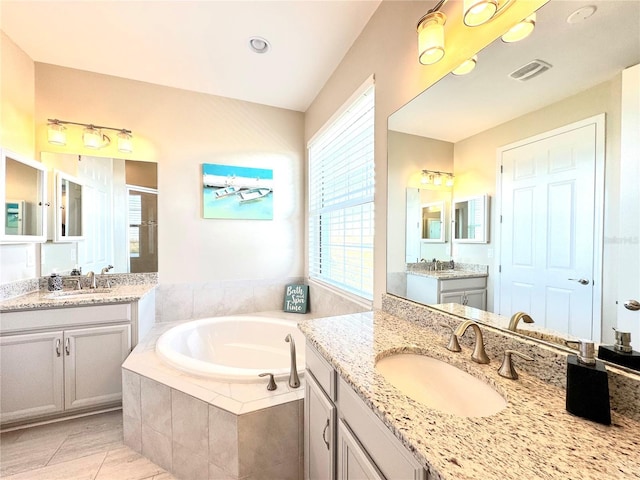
column 92, row 135
column 466, row 67
column 435, row 177
column 431, row 37
column 520, row 30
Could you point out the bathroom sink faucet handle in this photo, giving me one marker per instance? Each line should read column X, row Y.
column 506, row 370
column 272, row 383
column 453, row 344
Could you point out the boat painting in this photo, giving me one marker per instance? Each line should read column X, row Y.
column 253, row 194
column 223, row 192
column 232, row 192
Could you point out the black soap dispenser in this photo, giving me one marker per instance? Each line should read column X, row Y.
column 588, row 385
column 620, row 353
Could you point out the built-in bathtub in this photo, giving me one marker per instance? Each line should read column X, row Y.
column 193, row 402
column 232, row 349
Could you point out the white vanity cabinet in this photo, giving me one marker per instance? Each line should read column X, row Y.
column 344, row 439
column 320, row 415
column 62, row 360
column 428, row 290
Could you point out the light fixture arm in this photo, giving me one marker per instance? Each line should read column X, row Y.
column 90, row 125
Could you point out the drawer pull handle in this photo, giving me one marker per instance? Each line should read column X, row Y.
column 58, row 347
column 67, row 346
column 324, row 435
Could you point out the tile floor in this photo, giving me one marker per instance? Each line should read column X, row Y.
column 88, row 448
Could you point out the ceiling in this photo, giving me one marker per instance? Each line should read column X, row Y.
column 195, row 45
column 582, row 55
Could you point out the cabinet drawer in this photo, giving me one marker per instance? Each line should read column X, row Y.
column 463, row 284
column 389, row 455
column 322, row 371
column 64, row 317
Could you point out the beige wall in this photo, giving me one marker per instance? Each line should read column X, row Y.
column 17, row 98
column 181, row 130
column 387, row 48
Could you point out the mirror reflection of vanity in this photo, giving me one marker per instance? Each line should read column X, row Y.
column 23, row 188
column 477, row 114
column 106, row 214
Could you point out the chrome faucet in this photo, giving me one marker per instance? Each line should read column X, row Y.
column 92, row 279
column 478, row 355
column 294, row 381
column 516, row 317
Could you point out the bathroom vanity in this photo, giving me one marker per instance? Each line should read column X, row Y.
column 448, row 286
column 61, row 352
column 357, row 425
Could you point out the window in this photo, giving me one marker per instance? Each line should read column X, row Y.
column 341, row 194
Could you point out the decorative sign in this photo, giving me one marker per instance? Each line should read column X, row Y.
column 296, row 298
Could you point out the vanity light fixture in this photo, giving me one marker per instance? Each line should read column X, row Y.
column 92, row 135
column 478, row 12
column 520, row 30
column 55, row 133
column 435, row 177
column 466, row 67
column 431, row 37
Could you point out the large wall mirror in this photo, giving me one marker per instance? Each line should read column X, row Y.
column 107, row 215
column 462, row 121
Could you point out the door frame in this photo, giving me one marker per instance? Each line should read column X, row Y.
column 598, row 232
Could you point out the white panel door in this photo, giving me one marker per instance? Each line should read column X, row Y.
column 92, row 369
column 96, row 251
column 548, row 206
column 31, row 375
column 629, row 247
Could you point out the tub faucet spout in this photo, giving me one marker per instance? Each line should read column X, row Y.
column 294, row 381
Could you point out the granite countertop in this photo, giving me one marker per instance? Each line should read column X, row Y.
column 533, row 437
column 532, row 330
column 41, row 299
column 447, row 274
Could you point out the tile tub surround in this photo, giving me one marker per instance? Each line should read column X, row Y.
column 534, row 437
column 200, row 428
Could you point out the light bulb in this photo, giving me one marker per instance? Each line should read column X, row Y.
column 477, row 12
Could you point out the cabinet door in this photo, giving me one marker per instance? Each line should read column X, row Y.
column 93, row 357
column 319, row 432
column 452, row 297
column 32, row 372
column 476, row 299
column 353, row 461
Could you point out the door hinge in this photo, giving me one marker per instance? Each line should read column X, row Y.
column 501, row 169
column 499, row 268
column 500, row 218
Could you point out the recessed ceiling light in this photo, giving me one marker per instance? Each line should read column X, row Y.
column 582, row 14
column 259, row 44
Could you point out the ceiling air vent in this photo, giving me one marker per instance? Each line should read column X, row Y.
column 530, row 70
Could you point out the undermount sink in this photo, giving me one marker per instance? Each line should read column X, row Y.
column 65, row 294
column 439, row 385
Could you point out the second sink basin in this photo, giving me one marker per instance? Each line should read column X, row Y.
column 439, row 385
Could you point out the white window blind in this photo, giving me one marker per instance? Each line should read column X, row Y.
column 341, row 194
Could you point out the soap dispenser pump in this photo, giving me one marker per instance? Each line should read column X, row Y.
column 588, row 385
column 621, row 353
